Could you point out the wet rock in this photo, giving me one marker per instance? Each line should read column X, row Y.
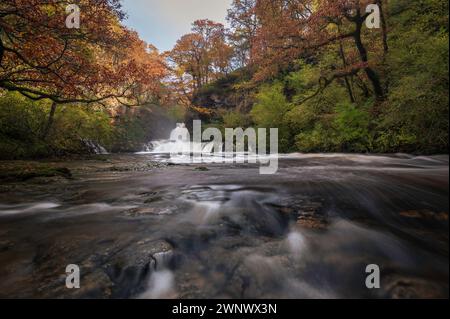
column 426, row 215
column 399, row 287
column 49, row 263
column 135, row 167
column 264, row 222
column 312, row 222
column 24, row 174
column 192, row 238
column 135, row 212
column 94, row 285
column 202, row 169
column 258, row 277
column 311, row 216
column 5, row 245
column 304, row 213
column 130, row 269
column 153, row 199
column 156, row 196
column 148, row 211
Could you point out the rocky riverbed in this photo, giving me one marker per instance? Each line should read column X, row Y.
column 141, row 227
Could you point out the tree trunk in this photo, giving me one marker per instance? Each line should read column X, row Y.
column 2, row 49
column 383, row 26
column 385, row 43
column 360, row 83
column 50, row 120
column 371, row 74
column 347, row 82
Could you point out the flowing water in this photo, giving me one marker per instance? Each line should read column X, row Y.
column 146, row 226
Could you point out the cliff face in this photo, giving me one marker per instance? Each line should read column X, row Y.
column 230, row 92
column 225, row 100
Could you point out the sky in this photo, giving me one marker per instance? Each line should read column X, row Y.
column 163, row 22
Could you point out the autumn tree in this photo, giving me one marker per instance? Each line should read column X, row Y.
column 41, row 58
column 203, row 54
column 293, row 29
column 244, row 24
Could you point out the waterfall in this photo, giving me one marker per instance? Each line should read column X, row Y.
column 94, row 147
column 179, row 142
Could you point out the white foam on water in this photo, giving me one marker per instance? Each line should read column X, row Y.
column 89, row 209
column 296, row 243
column 182, row 150
column 161, row 286
column 6, row 210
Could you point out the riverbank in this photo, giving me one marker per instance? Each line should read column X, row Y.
column 48, row 168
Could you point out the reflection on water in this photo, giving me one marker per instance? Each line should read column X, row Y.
column 227, row 232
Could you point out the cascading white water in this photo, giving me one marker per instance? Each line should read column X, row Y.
column 180, row 133
column 179, row 143
column 183, row 150
column 95, row 147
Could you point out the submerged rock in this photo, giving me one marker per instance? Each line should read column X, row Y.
column 24, row 174
column 131, row 268
column 135, row 167
column 425, row 214
column 304, row 212
column 148, row 211
column 401, row 287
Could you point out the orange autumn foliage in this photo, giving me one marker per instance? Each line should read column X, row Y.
column 43, row 59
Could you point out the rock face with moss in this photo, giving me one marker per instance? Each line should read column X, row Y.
column 230, row 92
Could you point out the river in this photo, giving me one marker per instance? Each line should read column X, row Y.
column 139, row 226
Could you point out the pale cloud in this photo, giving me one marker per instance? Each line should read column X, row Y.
column 163, row 22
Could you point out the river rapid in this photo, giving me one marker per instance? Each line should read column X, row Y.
column 140, row 226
